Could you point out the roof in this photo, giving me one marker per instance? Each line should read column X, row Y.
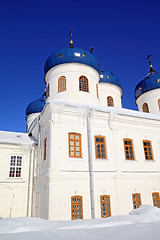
column 71, row 55
column 107, row 77
column 36, row 106
column 152, row 81
column 16, row 138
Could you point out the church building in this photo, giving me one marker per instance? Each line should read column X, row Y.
column 83, row 155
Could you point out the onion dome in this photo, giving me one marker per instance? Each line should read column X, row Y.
column 71, row 55
column 108, row 77
column 36, row 106
column 152, row 81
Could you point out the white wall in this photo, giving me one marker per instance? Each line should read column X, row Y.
column 151, row 98
column 62, row 176
column 14, row 191
column 108, row 89
column 72, row 72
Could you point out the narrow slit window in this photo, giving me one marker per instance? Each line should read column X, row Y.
column 74, row 145
column 128, row 149
column 159, row 104
column 145, row 108
column 83, row 84
column 97, row 90
column 45, row 148
column 76, row 207
column 48, row 90
column 110, row 101
column 147, row 145
column 105, row 206
column 136, row 198
column 15, row 166
column 100, row 147
column 156, row 199
column 62, row 84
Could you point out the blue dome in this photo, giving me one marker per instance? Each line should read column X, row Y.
column 36, row 106
column 152, row 81
column 108, row 77
column 70, row 55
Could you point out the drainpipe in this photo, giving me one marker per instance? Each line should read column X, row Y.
column 29, row 183
column 90, row 163
column 37, row 172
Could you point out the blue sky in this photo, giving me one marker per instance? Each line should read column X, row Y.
column 122, row 33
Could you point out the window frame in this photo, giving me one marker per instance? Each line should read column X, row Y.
column 16, row 166
column 76, row 204
column 97, row 90
column 61, row 84
column 74, row 145
column 145, row 107
column 83, row 85
column 97, row 157
column 156, row 204
column 110, row 101
column 148, row 141
column 128, row 139
column 48, row 90
column 105, row 202
column 159, row 104
column 136, row 200
column 45, row 149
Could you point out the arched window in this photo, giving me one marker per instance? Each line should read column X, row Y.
column 74, row 145
column 159, row 104
column 145, row 108
column 76, row 207
column 105, row 206
column 83, row 84
column 110, row 101
column 62, row 84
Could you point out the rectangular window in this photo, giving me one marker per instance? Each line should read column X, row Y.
column 136, row 197
column 15, row 166
column 76, row 207
column 105, row 206
column 156, row 199
column 128, row 149
column 148, row 150
column 74, row 145
column 45, row 148
column 100, row 147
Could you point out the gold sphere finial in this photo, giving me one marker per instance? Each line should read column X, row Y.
column 71, row 41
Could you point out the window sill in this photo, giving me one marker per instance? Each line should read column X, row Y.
column 75, row 158
column 101, row 159
column 149, row 160
column 130, row 160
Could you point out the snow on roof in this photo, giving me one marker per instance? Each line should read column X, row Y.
column 142, row 223
column 115, row 110
column 15, row 138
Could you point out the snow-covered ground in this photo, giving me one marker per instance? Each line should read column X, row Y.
column 142, row 223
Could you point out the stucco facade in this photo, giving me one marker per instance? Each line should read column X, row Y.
column 83, row 156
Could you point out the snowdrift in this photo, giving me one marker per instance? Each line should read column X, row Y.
column 142, row 223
